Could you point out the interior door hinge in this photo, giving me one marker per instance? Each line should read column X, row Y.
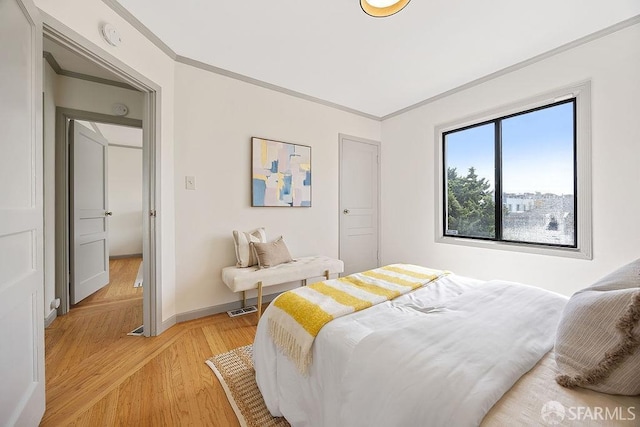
column 152, row 213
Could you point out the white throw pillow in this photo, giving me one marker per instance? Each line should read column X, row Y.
column 243, row 239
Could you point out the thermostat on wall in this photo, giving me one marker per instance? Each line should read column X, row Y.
column 119, row 109
column 110, row 34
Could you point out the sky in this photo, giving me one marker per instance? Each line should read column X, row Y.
column 537, row 151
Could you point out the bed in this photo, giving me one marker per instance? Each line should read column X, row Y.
column 458, row 351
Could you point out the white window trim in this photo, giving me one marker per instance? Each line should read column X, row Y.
column 582, row 93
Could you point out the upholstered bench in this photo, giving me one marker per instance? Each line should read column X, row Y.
column 242, row 279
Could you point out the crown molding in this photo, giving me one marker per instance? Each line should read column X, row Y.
column 125, row 14
column 48, row 56
column 221, row 71
column 565, row 47
column 128, row 16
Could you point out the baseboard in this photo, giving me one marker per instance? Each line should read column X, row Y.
column 171, row 321
column 222, row 308
column 50, row 318
column 125, row 256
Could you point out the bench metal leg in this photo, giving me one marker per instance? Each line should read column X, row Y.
column 259, row 299
column 244, row 299
column 326, row 276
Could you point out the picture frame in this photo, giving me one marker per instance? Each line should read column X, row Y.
column 280, row 174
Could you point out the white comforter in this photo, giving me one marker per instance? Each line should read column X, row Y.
column 439, row 356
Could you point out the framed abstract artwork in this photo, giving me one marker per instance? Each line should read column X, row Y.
column 280, row 173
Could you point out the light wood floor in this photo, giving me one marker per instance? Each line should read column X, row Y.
column 96, row 375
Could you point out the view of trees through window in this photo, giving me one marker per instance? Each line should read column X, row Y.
column 513, row 178
column 471, row 205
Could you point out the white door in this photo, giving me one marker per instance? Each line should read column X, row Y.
column 89, row 208
column 359, row 200
column 21, row 219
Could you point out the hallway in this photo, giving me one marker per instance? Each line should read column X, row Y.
column 95, row 324
column 97, row 375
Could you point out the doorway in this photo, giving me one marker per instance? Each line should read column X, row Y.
column 359, row 203
column 129, row 78
column 106, row 205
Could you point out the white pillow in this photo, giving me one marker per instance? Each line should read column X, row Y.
column 243, row 239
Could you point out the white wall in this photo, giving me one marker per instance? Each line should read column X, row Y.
column 136, row 51
column 228, row 113
column 215, row 118
column 49, row 135
column 612, row 64
column 125, row 201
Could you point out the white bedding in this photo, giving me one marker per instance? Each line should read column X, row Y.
column 351, row 381
column 448, row 367
column 333, row 393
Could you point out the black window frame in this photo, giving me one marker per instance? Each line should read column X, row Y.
column 498, row 194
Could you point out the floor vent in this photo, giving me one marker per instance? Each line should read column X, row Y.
column 139, row 331
column 242, row 311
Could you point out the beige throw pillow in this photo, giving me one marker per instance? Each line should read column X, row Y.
column 272, row 253
column 244, row 254
column 598, row 340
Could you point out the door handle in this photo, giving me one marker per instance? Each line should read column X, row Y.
column 346, row 211
column 108, row 213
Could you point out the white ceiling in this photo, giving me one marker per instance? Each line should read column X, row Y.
column 71, row 61
column 116, row 134
column 121, row 135
column 331, row 50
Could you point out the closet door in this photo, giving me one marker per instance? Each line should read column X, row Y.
column 22, row 399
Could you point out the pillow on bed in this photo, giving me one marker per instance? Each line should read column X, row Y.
column 244, row 254
column 272, row 253
column 598, row 340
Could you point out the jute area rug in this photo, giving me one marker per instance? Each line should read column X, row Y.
column 235, row 371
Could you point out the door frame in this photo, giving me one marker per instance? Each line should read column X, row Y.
column 63, row 196
column 151, row 173
column 341, row 138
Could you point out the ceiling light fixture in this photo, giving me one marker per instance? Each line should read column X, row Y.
column 382, row 8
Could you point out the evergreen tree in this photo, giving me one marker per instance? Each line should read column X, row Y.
column 471, row 208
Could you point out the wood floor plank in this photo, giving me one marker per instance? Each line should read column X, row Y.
column 97, row 375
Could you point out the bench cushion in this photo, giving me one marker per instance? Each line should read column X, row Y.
column 242, row 279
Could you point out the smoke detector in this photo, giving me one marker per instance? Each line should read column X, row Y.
column 119, row 109
column 110, row 34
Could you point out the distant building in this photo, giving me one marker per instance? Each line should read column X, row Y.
column 544, row 218
column 514, row 204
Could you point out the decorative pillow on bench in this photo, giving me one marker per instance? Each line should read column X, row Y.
column 244, row 254
column 598, row 339
column 272, row 253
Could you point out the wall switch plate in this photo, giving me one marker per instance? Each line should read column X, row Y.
column 190, row 182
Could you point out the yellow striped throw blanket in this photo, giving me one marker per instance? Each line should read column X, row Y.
column 295, row 317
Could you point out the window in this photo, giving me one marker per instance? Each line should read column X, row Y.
column 514, row 179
